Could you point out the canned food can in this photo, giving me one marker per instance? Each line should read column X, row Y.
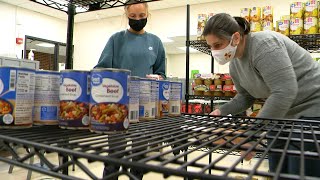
column 267, row 13
column 109, row 100
column 155, row 97
column 147, row 100
column 201, row 24
column 297, row 10
column 311, row 9
column 267, row 26
column 46, row 98
column 245, row 13
column 283, row 27
column 296, row 26
column 255, row 15
column 255, row 26
column 74, row 99
column 134, row 99
column 310, row 25
column 17, row 87
column 175, row 98
column 164, row 95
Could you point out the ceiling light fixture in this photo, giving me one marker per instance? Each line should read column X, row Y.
column 45, row 45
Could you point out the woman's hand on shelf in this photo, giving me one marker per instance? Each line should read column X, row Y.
column 216, row 112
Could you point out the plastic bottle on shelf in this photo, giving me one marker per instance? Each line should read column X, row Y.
column 31, row 55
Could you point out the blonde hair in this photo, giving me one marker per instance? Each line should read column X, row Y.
column 126, row 7
column 124, row 20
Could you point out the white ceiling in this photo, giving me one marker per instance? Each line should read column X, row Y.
column 171, row 48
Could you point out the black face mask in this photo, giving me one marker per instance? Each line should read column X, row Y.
column 137, row 25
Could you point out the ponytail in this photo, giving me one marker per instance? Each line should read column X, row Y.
column 244, row 25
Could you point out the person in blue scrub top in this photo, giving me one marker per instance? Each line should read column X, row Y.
column 135, row 49
column 138, row 51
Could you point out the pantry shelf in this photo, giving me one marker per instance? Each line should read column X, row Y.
column 310, row 42
column 86, row 6
column 209, row 97
column 200, row 45
column 163, row 146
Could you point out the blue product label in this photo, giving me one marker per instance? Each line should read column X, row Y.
column 109, row 101
column 74, row 99
column 8, row 81
column 141, row 111
column 48, row 113
column 73, row 86
column 164, row 92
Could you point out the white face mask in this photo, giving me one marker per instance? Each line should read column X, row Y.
column 225, row 55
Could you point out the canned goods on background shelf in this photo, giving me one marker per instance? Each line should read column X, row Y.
column 17, row 87
column 267, row 14
column 134, row 99
column 109, row 100
column 255, row 14
column 74, row 99
column 245, row 13
column 267, row 26
column 46, row 98
column 310, row 25
column 296, row 26
column 297, row 10
column 255, row 26
column 147, row 101
column 200, row 26
column 175, row 98
column 164, row 95
column 311, row 8
column 283, row 27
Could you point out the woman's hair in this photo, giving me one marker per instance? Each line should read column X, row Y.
column 126, row 7
column 224, row 26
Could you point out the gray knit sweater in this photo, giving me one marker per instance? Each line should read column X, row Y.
column 277, row 69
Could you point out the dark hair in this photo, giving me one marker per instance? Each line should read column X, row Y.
column 224, row 26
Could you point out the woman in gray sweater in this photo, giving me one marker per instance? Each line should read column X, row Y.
column 267, row 65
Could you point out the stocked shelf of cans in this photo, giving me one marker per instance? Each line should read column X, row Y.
column 213, row 85
column 303, row 18
column 102, row 100
column 170, row 146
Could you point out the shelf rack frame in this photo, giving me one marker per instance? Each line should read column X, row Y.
column 169, row 146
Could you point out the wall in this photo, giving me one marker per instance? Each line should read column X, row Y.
column 201, row 62
column 91, row 37
column 32, row 24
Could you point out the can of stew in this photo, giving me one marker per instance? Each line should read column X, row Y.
column 46, row 97
column 16, row 97
column 109, row 100
column 134, row 99
column 74, row 99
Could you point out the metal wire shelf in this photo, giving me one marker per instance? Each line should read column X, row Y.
column 209, row 97
column 163, row 146
column 200, row 45
column 310, row 42
column 87, row 5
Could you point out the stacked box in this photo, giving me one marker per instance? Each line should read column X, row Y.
column 267, row 17
column 245, row 13
column 296, row 21
column 255, row 17
column 296, row 26
column 202, row 18
column 311, row 25
column 283, row 27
